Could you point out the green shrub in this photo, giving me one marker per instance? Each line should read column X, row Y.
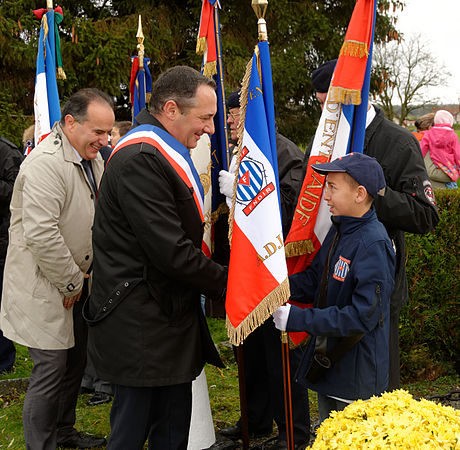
column 429, row 324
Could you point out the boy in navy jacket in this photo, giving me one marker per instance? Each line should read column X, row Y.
column 350, row 281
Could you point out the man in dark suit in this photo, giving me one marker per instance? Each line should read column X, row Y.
column 149, row 335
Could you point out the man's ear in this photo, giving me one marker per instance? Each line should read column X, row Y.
column 171, row 110
column 361, row 194
column 70, row 122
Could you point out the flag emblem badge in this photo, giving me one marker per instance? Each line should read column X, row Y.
column 341, row 268
column 250, row 181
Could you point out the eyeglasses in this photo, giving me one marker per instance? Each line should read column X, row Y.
column 234, row 116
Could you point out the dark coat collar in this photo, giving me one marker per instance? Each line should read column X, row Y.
column 145, row 118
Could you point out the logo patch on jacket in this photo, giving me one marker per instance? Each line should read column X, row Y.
column 428, row 190
column 341, row 268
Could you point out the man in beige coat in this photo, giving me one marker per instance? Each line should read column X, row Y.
column 48, row 263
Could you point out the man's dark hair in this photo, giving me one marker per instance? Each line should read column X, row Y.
column 77, row 105
column 179, row 84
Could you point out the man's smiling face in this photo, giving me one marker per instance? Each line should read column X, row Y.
column 92, row 133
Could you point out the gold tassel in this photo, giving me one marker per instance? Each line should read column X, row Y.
column 299, row 248
column 210, row 69
column 345, row 96
column 201, row 45
column 354, row 48
column 259, row 314
column 221, row 209
column 148, row 95
column 60, row 74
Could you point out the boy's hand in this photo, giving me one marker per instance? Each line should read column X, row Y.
column 281, row 316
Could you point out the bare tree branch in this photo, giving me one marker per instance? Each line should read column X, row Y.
column 403, row 71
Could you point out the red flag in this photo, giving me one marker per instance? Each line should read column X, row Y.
column 206, row 42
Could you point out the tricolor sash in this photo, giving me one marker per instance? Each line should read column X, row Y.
column 174, row 152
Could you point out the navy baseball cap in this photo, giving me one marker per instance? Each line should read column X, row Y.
column 365, row 170
column 322, row 76
column 234, row 100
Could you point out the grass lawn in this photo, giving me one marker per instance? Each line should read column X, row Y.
column 223, row 394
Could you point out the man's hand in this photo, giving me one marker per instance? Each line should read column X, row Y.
column 69, row 301
column 281, row 316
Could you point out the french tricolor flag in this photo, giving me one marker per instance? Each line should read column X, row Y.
column 46, row 100
column 257, row 277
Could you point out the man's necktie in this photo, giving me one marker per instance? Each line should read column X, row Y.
column 89, row 173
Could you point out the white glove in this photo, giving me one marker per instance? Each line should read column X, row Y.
column 281, row 316
column 226, row 180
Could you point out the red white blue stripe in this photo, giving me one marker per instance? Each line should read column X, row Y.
column 46, row 99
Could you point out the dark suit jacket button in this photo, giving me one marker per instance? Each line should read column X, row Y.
column 87, row 257
column 92, row 197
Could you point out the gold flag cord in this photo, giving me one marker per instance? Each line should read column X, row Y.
column 243, row 106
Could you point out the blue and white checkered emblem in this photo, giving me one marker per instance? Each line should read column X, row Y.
column 341, row 268
column 250, row 180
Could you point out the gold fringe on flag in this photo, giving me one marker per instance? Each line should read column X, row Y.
column 259, row 314
column 243, row 105
column 299, row 248
column 345, row 96
column 60, row 74
column 210, row 69
column 354, row 48
column 201, row 45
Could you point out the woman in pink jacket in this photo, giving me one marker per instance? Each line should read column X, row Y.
column 441, row 151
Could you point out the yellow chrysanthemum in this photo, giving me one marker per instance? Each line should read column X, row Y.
column 393, row 420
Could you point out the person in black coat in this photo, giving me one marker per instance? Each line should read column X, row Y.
column 263, row 367
column 10, row 160
column 148, row 334
column 408, row 204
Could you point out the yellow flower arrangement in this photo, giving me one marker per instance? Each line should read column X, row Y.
column 394, row 420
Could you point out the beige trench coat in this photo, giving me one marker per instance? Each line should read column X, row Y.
column 52, row 211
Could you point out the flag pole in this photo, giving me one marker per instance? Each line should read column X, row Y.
column 140, row 45
column 260, row 8
column 49, row 5
column 243, row 399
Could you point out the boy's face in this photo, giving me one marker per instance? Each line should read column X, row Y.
column 340, row 195
column 114, row 136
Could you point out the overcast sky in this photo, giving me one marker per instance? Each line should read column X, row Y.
column 439, row 23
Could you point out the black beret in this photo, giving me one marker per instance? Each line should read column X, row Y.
column 234, row 100
column 321, row 77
